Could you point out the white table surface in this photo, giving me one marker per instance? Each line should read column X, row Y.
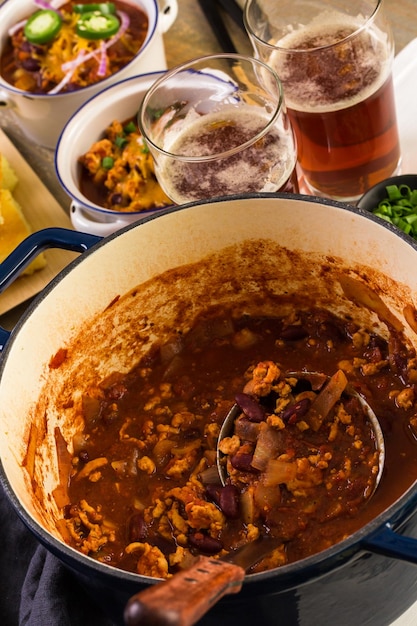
column 405, row 72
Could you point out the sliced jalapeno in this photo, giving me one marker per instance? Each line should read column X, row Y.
column 104, row 7
column 42, row 26
column 96, row 25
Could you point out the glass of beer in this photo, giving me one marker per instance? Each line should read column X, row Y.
column 334, row 59
column 218, row 126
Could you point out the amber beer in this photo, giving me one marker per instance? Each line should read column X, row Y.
column 341, row 104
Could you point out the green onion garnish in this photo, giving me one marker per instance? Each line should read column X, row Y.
column 145, row 147
column 120, row 141
column 107, row 162
column 399, row 208
column 130, row 127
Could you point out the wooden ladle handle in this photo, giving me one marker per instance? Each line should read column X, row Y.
column 183, row 599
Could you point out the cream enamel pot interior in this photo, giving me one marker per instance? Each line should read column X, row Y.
column 370, row 578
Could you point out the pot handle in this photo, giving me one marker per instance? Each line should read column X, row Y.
column 168, row 11
column 34, row 244
column 387, row 542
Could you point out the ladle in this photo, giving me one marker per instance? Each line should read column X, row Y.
column 183, row 599
column 228, row 426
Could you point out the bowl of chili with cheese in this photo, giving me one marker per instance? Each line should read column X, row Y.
column 55, row 56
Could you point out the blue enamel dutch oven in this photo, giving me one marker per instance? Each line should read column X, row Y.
column 370, row 578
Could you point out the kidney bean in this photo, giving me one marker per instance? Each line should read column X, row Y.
column 204, row 543
column 67, row 511
column 293, row 332
column 296, row 411
column 116, row 198
column 226, row 498
column 229, row 501
column 31, row 65
column 84, row 456
column 251, row 407
column 213, row 492
column 242, row 462
column 374, row 354
column 137, row 528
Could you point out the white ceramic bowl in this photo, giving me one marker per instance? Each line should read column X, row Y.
column 118, row 102
column 43, row 116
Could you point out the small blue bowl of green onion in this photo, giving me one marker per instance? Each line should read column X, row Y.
column 395, row 201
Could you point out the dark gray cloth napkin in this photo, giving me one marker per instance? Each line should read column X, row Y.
column 35, row 588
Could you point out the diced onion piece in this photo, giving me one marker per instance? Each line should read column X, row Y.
column 247, row 430
column 210, row 476
column 248, row 508
column 268, row 446
column 267, row 496
column 79, row 442
column 326, row 399
column 162, row 451
column 91, row 466
column 279, row 472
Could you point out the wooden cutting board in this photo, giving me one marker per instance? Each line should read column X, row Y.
column 41, row 211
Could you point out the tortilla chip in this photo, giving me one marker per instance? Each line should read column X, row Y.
column 8, row 177
column 13, row 229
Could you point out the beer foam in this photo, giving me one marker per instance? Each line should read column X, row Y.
column 265, row 165
column 321, row 77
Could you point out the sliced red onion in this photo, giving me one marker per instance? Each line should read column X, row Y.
column 71, row 66
column 53, row 6
column 13, row 29
column 103, row 60
column 124, row 22
column 124, row 25
column 69, row 72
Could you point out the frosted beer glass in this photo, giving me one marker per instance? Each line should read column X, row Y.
column 218, row 126
column 334, row 59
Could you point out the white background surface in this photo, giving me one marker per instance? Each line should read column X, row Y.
column 405, row 74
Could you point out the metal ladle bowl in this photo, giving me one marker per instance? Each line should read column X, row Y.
column 229, row 421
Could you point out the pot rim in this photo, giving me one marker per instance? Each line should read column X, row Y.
column 320, row 563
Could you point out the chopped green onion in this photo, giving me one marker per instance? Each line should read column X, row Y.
column 120, row 141
column 399, row 208
column 145, row 147
column 107, row 162
column 130, row 127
